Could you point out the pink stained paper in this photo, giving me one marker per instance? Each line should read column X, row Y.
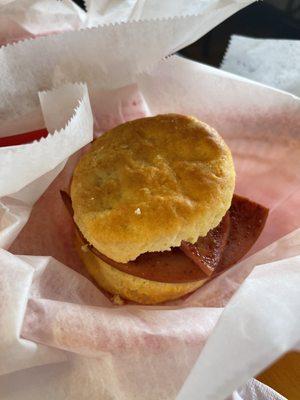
column 91, row 330
column 112, row 108
column 27, row 19
column 119, row 353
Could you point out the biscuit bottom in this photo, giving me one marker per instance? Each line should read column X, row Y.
column 130, row 287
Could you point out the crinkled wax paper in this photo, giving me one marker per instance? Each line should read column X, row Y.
column 60, row 335
column 23, row 19
column 274, row 62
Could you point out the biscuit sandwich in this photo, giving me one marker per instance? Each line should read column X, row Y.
column 154, row 208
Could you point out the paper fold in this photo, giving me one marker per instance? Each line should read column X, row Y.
column 133, row 46
column 25, row 174
column 62, row 309
column 265, row 315
column 21, row 165
column 16, row 286
column 21, row 19
column 100, row 12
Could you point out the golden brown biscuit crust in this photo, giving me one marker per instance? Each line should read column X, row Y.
column 148, row 184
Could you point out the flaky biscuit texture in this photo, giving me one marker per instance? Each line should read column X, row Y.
column 148, row 184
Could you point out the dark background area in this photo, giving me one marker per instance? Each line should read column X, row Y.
column 279, row 19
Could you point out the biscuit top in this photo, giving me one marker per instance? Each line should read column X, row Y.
column 148, row 184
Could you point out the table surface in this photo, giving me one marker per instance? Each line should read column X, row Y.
column 284, row 376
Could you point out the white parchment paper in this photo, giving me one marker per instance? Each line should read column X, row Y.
column 23, row 19
column 25, row 174
column 97, row 350
column 274, row 62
